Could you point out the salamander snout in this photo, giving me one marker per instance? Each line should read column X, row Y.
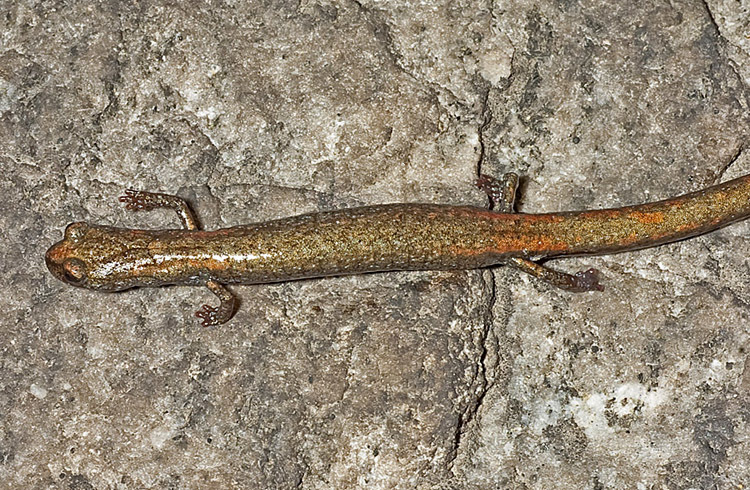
column 61, row 262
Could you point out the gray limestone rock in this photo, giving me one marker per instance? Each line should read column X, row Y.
column 468, row 379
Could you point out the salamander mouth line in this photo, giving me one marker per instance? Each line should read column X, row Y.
column 405, row 236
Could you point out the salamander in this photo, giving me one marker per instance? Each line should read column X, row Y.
column 379, row 238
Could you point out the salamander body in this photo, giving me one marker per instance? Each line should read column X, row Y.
column 378, row 238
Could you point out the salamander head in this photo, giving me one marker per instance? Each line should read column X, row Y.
column 84, row 257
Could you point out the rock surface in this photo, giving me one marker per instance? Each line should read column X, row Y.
column 468, row 379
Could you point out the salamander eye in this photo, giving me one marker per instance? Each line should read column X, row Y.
column 75, row 231
column 74, row 271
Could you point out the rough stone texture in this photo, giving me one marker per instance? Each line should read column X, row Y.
column 456, row 380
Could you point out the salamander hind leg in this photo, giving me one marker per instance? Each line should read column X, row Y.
column 579, row 282
column 146, row 201
column 502, row 193
column 213, row 315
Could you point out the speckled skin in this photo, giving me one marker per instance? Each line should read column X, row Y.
column 379, row 238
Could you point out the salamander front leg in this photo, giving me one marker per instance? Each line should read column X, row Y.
column 212, row 315
column 502, row 194
column 146, row 201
